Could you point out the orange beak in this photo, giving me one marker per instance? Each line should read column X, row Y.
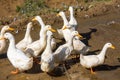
column 51, row 29
column 64, row 27
column 34, row 19
column 11, row 29
column 112, row 47
column 2, row 38
column 79, row 35
column 58, row 14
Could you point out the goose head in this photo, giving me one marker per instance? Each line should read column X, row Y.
column 66, row 27
column 61, row 13
column 48, row 27
column 75, row 33
column 39, row 19
column 6, row 28
column 7, row 36
column 29, row 24
column 109, row 45
column 36, row 18
column 70, row 8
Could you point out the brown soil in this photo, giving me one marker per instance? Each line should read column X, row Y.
column 98, row 25
column 8, row 7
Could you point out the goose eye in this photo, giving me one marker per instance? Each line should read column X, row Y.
column 109, row 44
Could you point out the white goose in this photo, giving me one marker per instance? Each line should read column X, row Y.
column 35, row 48
column 2, row 42
column 17, row 58
column 39, row 19
column 63, row 51
column 79, row 46
column 66, row 29
column 73, row 21
column 47, row 59
column 27, row 38
column 90, row 61
column 65, row 23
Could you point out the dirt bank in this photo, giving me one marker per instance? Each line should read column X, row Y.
column 98, row 24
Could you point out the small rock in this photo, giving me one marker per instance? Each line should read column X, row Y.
column 111, row 22
column 118, row 5
column 87, row 16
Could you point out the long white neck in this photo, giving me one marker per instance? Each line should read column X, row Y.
column 27, row 34
column 103, row 52
column 48, row 47
column 12, row 43
column 71, row 15
column 43, row 36
column 64, row 19
column 70, row 41
column 2, row 32
column 41, row 23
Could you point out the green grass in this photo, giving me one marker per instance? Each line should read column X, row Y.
column 31, row 7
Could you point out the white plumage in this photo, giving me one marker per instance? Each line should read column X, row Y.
column 47, row 59
column 27, row 38
column 17, row 58
column 2, row 41
column 63, row 51
column 66, row 29
column 65, row 24
column 35, row 48
column 39, row 19
column 90, row 61
column 73, row 21
column 78, row 45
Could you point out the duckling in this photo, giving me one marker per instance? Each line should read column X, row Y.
column 17, row 58
column 90, row 61
column 27, row 38
column 2, row 41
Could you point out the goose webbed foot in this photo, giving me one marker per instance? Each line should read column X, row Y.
column 15, row 72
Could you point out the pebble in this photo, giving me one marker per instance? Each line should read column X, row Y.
column 111, row 22
column 87, row 16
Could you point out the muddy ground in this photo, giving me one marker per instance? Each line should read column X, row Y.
column 98, row 25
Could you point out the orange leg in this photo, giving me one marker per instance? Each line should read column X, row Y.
column 92, row 72
column 15, row 72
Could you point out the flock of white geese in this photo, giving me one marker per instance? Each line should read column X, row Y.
column 23, row 54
